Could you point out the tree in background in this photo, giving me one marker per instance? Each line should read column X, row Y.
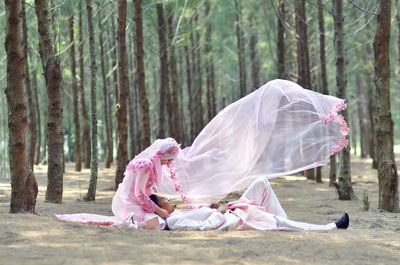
column 121, row 112
column 387, row 170
column 24, row 188
column 343, row 186
column 75, row 98
column 52, row 72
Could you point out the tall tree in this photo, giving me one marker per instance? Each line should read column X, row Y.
column 121, row 113
column 52, row 72
column 209, row 61
column 75, row 98
column 280, row 44
column 107, row 121
column 164, row 87
column 144, row 103
column 303, row 59
column 31, row 108
column 362, row 105
column 387, row 170
column 324, row 87
column 189, row 91
column 240, row 47
column 37, row 111
column 175, row 123
column 91, row 194
column 24, row 188
column 85, row 119
column 343, row 186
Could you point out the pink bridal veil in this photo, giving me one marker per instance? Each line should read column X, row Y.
column 278, row 129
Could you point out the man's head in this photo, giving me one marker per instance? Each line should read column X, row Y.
column 163, row 203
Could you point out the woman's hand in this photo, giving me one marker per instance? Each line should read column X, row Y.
column 214, row 205
column 161, row 212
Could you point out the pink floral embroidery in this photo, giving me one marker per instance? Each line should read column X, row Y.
column 178, row 188
column 147, row 204
column 344, row 129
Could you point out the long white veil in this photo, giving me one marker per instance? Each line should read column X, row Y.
column 278, row 129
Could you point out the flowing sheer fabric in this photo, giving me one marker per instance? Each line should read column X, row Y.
column 278, row 129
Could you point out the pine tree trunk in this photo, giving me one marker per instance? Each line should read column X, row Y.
column 52, row 73
column 324, row 86
column 241, row 55
column 85, row 120
column 189, row 92
column 362, row 104
column 281, row 40
column 303, row 61
column 209, row 66
column 176, row 133
column 121, row 113
column 31, row 108
column 387, row 170
column 37, row 110
column 91, row 194
column 131, row 102
column 162, row 31
column 75, row 97
column 105, row 98
column 343, row 186
column 24, row 188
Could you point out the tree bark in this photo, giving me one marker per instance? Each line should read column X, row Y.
column 176, row 133
column 24, row 188
column 91, row 194
column 324, row 87
column 121, row 113
column 343, row 186
column 37, row 110
column 362, row 104
column 30, row 106
column 77, row 130
column 387, row 170
column 281, row 40
column 164, row 87
column 303, row 61
column 144, row 103
column 241, row 55
column 189, row 92
column 105, row 95
column 85, row 120
column 52, row 72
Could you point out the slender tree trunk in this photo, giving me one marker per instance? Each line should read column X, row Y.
column 176, row 133
column 91, row 194
column 211, row 109
column 362, row 104
column 52, row 72
column 85, row 120
column 241, row 55
column 387, row 171
column 24, row 188
column 190, row 92
column 37, row 110
column 281, row 40
column 324, row 87
column 343, row 186
column 115, row 72
column 144, row 103
column 105, row 95
column 75, row 93
column 162, row 31
column 303, row 61
column 121, row 113
column 31, row 108
column 131, row 102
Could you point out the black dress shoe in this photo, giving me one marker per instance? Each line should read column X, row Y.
column 343, row 222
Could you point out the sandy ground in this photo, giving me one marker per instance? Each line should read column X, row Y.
column 372, row 238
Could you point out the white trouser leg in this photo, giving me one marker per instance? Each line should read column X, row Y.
column 262, row 193
column 289, row 225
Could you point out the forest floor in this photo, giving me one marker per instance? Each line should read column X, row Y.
column 372, row 238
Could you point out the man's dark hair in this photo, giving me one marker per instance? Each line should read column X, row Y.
column 154, row 198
